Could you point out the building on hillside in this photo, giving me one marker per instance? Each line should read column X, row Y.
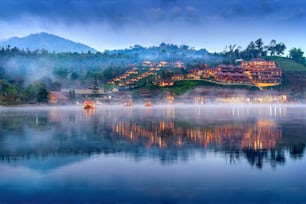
column 164, row 82
column 154, row 69
column 111, row 82
column 195, row 74
column 262, row 73
column 257, row 72
column 179, row 64
column 147, row 63
column 232, row 75
column 121, row 83
column 209, row 72
column 177, row 77
column 163, row 64
column 56, row 97
column 132, row 71
column 191, row 75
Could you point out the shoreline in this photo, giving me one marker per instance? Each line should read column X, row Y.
column 160, row 105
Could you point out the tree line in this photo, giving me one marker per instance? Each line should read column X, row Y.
column 254, row 49
column 257, row 49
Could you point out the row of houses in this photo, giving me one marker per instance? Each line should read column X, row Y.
column 127, row 74
column 131, row 77
column 169, row 82
column 258, row 72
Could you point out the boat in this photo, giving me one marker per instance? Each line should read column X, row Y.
column 88, row 105
column 148, row 104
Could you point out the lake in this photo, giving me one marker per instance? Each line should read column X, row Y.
column 162, row 154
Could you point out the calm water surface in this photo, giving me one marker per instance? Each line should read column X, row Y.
column 203, row 154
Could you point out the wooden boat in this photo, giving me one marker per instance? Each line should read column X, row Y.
column 88, row 105
column 148, row 104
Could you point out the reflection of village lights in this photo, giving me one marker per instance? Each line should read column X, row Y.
column 261, row 135
column 162, row 125
column 274, row 110
column 179, row 142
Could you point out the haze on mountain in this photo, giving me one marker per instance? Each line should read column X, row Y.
column 46, row 41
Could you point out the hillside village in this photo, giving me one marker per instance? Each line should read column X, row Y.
column 142, row 82
column 165, row 73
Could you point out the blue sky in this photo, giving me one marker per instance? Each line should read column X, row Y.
column 113, row 24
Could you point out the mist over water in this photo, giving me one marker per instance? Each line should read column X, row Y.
column 158, row 154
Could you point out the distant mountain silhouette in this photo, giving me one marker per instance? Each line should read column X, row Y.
column 46, row 41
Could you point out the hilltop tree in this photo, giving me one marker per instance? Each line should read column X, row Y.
column 259, row 47
column 280, row 48
column 297, row 55
column 231, row 52
column 250, row 50
column 271, row 47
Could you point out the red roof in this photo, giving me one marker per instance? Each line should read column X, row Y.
column 58, row 95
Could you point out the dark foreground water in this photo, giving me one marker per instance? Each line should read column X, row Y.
column 204, row 154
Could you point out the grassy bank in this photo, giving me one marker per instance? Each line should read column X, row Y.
column 181, row 87
column 287, row 65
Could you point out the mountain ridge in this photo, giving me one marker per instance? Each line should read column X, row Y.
column 46, row 41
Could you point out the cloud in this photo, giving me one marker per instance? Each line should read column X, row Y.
column 120, row 13
column 155, row 14
column 175, row 11
column 68, row 11
column 120, row 23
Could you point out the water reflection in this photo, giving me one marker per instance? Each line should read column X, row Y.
column 258, row 134
column 254, row 135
